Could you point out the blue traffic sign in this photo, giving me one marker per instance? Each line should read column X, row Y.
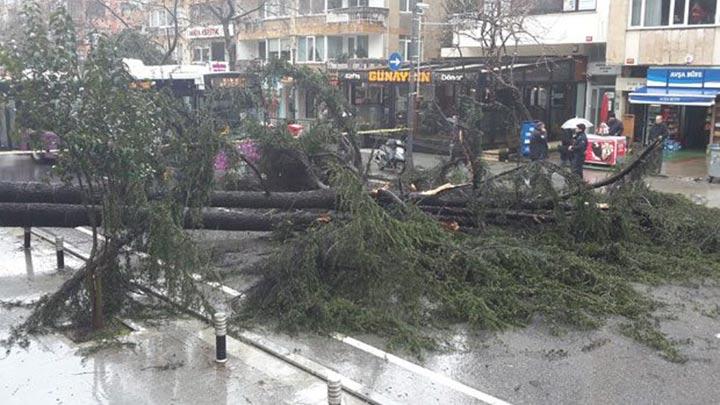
column 395, row 61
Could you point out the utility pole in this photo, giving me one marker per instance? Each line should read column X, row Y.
column 412, row 117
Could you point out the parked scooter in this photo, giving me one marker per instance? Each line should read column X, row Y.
column 391, row 155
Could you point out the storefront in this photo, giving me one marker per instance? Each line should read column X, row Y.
column 380, row 96
column 601, row 96
column 686, row 98
column 207, row 45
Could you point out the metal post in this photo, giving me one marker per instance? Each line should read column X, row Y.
column 334, row 390
column 220, row 321
column 412, row 94
column 60, row 250
column 27, row 238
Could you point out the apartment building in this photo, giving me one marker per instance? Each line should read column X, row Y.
column 669, row 51
column 558, row 62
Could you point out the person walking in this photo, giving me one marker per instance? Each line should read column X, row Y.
column 615, row 126
column 539, row 143
column 658, row 130
column 578, row 149
column 565, row 142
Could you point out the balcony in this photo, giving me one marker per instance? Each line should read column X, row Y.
column 358, row 15
column 358, row 20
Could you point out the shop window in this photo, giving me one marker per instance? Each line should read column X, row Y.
column 201, row 54
column 661, row 13
column 218, row 51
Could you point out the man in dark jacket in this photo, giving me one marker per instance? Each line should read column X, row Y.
column 538, row 143
column 578, row 149
column 659, row 130
column 615, row 126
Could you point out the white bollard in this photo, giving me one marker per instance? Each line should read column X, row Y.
column 334, row 390
column 220, row 321
column 60, row 250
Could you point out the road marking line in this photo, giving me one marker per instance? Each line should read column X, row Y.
column 439, row 378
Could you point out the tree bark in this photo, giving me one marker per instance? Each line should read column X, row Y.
column 71, row 216
column 13, row 192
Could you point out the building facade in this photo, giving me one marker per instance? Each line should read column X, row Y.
column 670, row 57
column 560, row 59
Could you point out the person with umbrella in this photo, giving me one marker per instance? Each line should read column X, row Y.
column 578, row 149
column 568, row 139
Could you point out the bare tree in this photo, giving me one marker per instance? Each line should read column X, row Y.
column 227, row 13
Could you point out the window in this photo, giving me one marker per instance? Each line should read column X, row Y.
column 201, row 54
column 308, row 7
column 661, row 13
column 407, row 6
column 279, row 49
column 161, row 18
column 262, row 49
column 276, row 8
column 358, row 3
column 360, row 49
column 547, row 6
column 405, row 50
column 311, row 49
column 334, row 48
column 333, row 4
column 579, row 5
column 218, row 51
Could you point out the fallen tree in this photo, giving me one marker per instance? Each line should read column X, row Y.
column 36, row 192
column 71, row 216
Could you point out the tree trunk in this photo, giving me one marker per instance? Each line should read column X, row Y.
column 71, row 216
column 13, row 192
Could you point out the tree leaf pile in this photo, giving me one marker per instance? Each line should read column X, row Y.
column 395, row 273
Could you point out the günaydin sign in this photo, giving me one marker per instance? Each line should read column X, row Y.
column 211, row 31
column 384, row 76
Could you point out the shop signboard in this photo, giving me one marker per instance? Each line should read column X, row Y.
column 681, row 77
column 210, row 31
column 602, row 69
column 385, row 76
column 453, row 77
column 605, row 150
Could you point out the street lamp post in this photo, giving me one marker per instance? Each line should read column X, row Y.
column 414, row 88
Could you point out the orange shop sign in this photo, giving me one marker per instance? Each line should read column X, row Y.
column 387, row 76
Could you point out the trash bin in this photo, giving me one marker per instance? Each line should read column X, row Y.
column 714, row 161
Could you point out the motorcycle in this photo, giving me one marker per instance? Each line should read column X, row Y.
column 391, row 155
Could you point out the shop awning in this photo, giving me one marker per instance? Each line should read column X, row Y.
column 674, row 96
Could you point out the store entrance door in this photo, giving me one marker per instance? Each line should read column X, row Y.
column 696, row 134
column 602, row 101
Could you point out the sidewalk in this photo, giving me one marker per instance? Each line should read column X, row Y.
column 170, row 361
